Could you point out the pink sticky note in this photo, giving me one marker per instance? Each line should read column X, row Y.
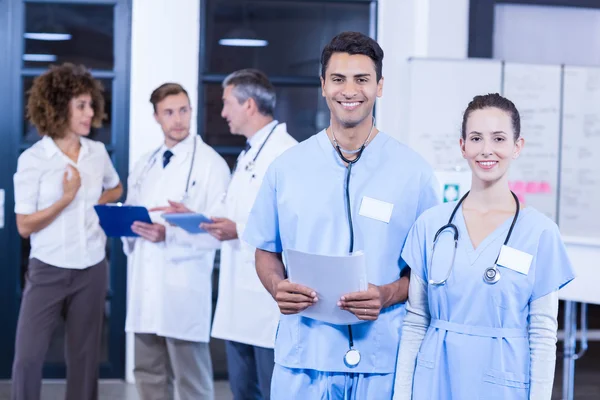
column 532, row 187
column 545, row 187
column 517, row 186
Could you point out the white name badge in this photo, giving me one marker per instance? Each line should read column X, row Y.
column 514, row 259
column 376, row 209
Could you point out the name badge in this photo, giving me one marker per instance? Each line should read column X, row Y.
column 514, row 259
column 376, row 209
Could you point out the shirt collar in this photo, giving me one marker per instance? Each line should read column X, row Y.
column 51, row 148
column 262, row 133
column 182, row 147
column 372, row 150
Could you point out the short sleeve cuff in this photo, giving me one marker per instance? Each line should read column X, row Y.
column 269, row 246
column 414, row 265
column 25, row 209
column 544, row 291
column 113, row 182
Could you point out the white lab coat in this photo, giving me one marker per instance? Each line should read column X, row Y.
column 170, row 291
column 246, row 312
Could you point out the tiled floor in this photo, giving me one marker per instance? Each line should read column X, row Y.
column 587, row 383
column 109, row 390
column 587, row 387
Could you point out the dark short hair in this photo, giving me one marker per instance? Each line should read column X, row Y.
column 49, row 98
column 493, row 100
column 166, row 90
column 353, row 43
column 254, row 84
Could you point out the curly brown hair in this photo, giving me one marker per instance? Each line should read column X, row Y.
column 51, row 93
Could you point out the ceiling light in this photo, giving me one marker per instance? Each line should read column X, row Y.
column 39, row 57
column 243, row 37
column 49, row 37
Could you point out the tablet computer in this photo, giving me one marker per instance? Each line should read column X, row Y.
column 116, row 219
column 190, row 222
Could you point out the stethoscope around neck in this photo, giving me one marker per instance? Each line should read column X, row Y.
column 150, row 163
column 491, row 275
column 352, row 356
column 250, row 166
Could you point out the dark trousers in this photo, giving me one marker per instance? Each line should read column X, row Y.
column 250, row 370
column 52, row 293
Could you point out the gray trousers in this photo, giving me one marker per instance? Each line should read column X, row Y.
column 250, row 370
column 163, row 363
column 52, row 293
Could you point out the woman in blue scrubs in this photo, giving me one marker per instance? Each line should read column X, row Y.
column 482, row 312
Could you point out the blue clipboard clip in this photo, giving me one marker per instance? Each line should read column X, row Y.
column 189, row 222
column 116, row 219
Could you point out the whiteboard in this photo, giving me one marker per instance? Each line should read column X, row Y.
column 440, row 91
column 579, row 211
column 536, row 92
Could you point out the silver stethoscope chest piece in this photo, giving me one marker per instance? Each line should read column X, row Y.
column 352, row 358
column 491, row 275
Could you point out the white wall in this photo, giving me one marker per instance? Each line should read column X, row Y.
column 415, row 28
column 165, row 46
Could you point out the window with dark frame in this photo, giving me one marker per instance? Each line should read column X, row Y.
column 283, row 38
column 481, row 20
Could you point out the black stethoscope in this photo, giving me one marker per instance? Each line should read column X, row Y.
column 150, row 163
column 491, row 274
column 250, row 166
column 352, row 356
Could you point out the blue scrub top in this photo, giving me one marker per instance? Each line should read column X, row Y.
column 477, row 344
column 301, row 206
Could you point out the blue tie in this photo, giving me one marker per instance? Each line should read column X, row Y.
column 167, row 157
column 247, row 147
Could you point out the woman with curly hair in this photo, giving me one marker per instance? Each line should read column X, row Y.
column 57, row 183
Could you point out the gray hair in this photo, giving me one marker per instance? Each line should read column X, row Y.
column 252, row 83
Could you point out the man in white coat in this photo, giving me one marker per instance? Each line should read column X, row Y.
column 169, row 304
column 246, row 315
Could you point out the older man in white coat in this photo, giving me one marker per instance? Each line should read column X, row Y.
column 246, row 315
column 169, row 304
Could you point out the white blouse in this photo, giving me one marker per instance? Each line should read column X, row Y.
column 74, row 239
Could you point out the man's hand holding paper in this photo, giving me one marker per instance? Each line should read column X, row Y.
column 331, row 278
column 293, row 298
column 366, row 305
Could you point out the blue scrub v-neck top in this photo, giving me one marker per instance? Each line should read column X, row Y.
column 477, row 344
column 301, row 206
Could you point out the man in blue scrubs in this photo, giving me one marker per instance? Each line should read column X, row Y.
column 347, row 188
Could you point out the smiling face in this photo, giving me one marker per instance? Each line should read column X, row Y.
column 489, row 144
column 81, row 113
column 350, row 88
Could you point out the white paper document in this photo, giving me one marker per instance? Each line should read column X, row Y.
column 330, row 277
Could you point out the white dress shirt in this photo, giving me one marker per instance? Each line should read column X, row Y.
column 74, row 239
